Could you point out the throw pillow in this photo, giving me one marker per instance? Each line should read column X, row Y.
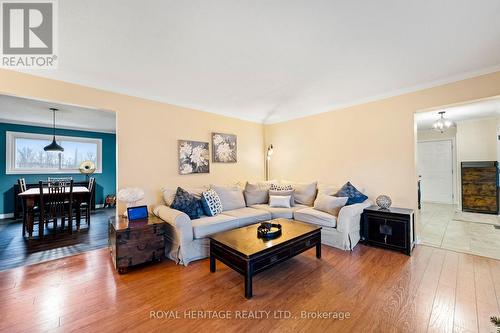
column 279, row 201
column 256, row 193
column 281, row 187
column 286, row 193
column 186, row 203
column 355, row 196
column 231, row 197
column 305, row 193
column 211, row 203
column 169, row 193
column 330, row 204
column 327, row 189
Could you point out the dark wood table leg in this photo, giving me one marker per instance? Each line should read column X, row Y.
column 70, row 220
column 318, row 250
column 30, row 204
column 212, row 263
column 248, row 282
column 78, row 203
column 29, row 218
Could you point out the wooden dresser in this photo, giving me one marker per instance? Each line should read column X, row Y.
column 479, row 187
column 137, row 242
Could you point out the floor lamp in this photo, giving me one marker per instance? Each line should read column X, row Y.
column 269, row 152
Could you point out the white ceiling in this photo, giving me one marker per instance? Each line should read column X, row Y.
column 481, row 109
column 270, row 61
column 31, row 112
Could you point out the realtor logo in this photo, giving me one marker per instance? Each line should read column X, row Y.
column 28, row 34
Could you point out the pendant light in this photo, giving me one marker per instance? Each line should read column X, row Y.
column 442, row 124
column 54, row 146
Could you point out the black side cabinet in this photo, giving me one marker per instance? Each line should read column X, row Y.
column 391, row 228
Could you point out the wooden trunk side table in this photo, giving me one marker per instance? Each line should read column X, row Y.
column 136, row 242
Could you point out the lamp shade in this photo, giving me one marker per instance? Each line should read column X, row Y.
column 53, row 146
column 130, row 195
column 442, row 124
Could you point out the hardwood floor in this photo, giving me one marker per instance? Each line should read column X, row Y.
column 435, row 290
column 15, row 251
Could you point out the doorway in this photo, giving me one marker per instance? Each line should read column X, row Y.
column 471, row 137
column 435, row 170
column 87, row 137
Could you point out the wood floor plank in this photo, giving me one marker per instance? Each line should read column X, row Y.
column 443, row 308
column 487, row 304
column 424, row 299
column 465, row 317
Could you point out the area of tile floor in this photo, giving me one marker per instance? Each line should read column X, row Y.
column 439, row 229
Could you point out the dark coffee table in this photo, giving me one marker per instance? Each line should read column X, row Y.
column 247, row 254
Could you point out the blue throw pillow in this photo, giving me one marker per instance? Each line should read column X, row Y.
column 348, row 190
column 211, row 202
column 186, row 203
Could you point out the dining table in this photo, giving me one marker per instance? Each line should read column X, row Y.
column 30, row 197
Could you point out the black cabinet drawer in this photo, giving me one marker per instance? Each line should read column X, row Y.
column 387, row 231
column 272, row 259
column 306, row 244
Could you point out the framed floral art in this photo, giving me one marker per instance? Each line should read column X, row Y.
column 224, row 148
column 193, row 157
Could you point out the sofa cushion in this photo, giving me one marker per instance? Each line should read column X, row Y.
column 327, row 189
column 256, row 193
column 305, row 193
column 330, row 204
column 248, row 215
column 169, row 192
column 280, row 187
column 284, row 193
column 230, row 196
column 209, row 225
column 280, row 201
column 186, row 203
column 211, row 203
column 314, row 216
column 355, row 196
column 276, row 212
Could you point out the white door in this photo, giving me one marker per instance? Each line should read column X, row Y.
column 435, row 166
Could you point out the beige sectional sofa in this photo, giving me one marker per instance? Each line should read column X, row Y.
column 187, row 240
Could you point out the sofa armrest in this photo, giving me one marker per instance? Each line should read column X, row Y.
column 178, row 220
column 350, row 216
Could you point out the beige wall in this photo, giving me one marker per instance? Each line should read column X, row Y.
column 372, row 145
column 477, row 140
column 147, row 134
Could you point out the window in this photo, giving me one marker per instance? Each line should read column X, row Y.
column 25, row 153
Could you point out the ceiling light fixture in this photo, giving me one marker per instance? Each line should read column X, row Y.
column 54, row 146
column 442, row 124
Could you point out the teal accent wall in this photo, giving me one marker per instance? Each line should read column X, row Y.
column 105, row 181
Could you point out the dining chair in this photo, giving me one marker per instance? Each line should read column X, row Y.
column 22, row 187
column 56, row 204
column 64, row 180
column 85, row 207
column 35, row 210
